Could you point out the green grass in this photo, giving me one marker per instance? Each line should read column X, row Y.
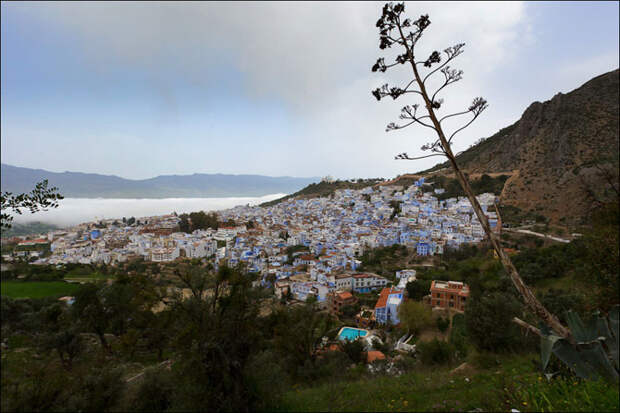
column 37, row 289
column 515, row 384
column 95, row 276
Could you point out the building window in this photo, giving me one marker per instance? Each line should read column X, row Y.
column 451, row 304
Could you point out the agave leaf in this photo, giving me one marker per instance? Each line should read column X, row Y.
column 572, row 358
column 594, row 354
column 613, row 321
column 610, row 343
column 547, row 341
column 582, row 332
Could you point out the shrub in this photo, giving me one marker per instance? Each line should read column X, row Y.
column 458, row 335
column 154, row 393
column 489, row 321
column 414, row 316
column 268, row 378
column 332, row 365
column 559, row 301
column 443, row 324
column 436, row 352
column 355, row 350
column 416, row 290
column 349, row 310
column 485, row 360
column 99, row 390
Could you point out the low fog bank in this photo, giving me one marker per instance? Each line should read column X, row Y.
column 74, row 211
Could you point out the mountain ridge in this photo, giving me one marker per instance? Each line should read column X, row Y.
column 88, row 185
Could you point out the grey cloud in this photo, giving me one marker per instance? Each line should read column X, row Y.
column 302, row 52
column 316, row 57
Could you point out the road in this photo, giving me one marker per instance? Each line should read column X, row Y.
column 538, row 234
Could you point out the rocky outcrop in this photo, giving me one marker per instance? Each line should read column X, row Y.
column 558, row 148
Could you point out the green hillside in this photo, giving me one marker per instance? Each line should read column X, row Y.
column 30, row 228
column 324, row 188
column 479, row 386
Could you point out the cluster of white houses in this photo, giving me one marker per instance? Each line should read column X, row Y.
column 329, row 235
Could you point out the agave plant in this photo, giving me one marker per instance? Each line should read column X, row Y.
column 594, row 353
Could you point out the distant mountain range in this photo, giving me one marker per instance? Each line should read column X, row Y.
column 83, row 185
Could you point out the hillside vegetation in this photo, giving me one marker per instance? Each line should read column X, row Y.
column 518, row 386
column 30, row 228
column 481, row 185
column 324, row 189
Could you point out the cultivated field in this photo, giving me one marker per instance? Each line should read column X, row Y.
column 37, row 289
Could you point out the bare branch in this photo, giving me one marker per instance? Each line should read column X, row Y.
column 461, row 128
column 451, row 76
column 453, row 114
column 477, row 107
column 527, row 326
column 404, row 156
column 452, row 52
column 393, row 126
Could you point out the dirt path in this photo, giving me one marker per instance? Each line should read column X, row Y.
column 165, row 363
column 538, row 234
column 473, row 176
column 514, row 176
column 395, row 180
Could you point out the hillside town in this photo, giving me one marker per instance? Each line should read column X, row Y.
column 300, row 247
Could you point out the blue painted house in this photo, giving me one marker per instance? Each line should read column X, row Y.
column 423, row 248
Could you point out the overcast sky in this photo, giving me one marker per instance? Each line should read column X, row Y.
column 150, row 88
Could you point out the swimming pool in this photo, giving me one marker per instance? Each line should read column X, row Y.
column 348, row 333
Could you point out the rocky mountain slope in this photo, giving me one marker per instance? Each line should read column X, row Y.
column 557, row 151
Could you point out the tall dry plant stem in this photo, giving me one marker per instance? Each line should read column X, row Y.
column 391, row 20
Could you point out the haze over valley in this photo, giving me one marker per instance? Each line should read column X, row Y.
column 75, row 211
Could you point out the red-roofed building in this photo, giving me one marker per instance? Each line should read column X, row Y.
column 39, row 241
column 449, row 294
column 386, row 309
column 337, row 300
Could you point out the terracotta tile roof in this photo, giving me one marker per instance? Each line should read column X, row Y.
column 385, row 294
column 345, row 295
column 374, row 355
column 382, row 301
column 35, row 241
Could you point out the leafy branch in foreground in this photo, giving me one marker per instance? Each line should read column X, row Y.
column 41, row 198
